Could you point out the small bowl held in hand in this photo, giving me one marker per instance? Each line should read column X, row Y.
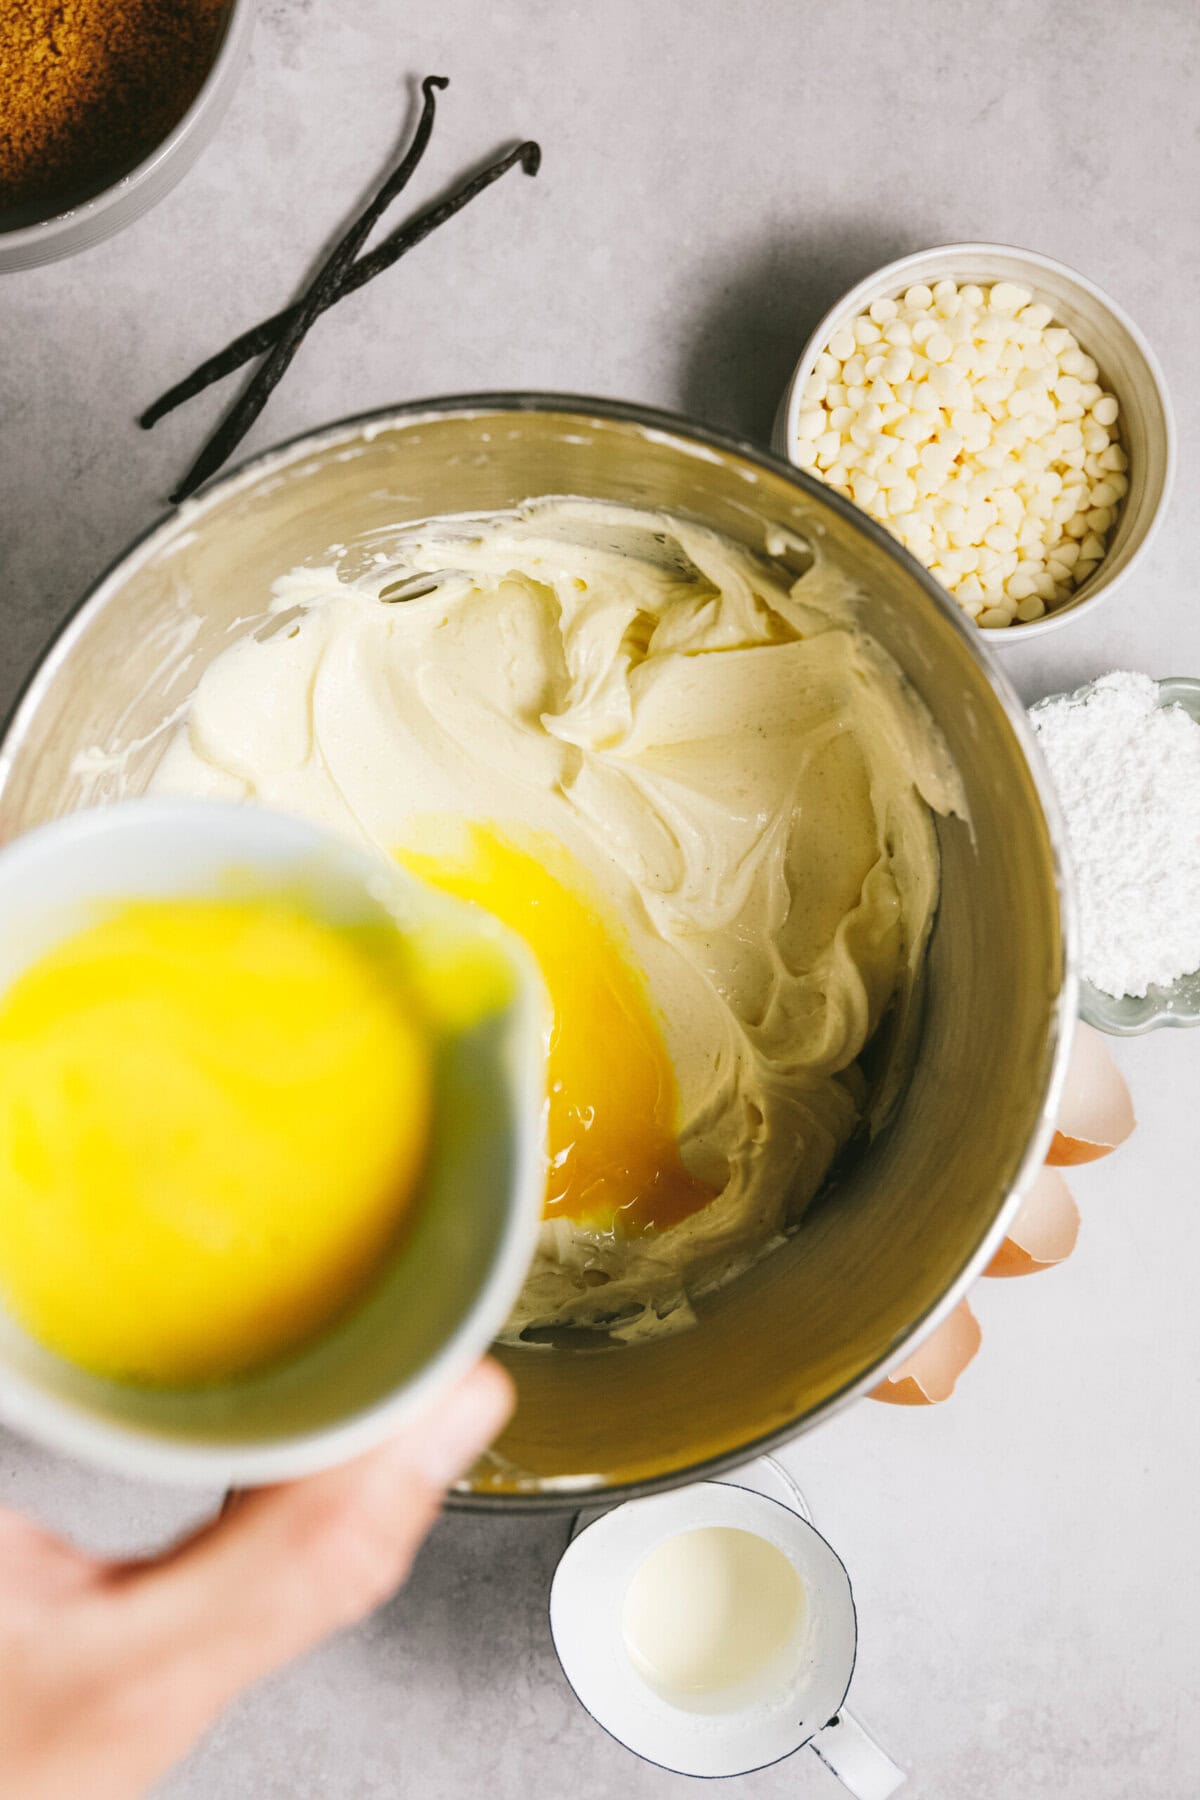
column 444, row 1290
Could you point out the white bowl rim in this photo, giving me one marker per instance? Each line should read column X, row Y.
column 889, row 275
column 44, row 232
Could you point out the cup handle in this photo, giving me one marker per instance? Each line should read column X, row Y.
column 848, row 1749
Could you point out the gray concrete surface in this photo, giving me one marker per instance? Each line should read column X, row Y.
column 714, row 174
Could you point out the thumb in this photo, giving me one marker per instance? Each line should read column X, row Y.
column 289, row 1564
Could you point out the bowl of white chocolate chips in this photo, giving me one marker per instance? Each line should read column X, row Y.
column 1001, row 416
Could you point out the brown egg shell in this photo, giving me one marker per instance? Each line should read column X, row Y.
column 929, row 1375
column 1044, row 1231
column 1096, row 1111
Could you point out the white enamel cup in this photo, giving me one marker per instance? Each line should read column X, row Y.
column 757, row 1727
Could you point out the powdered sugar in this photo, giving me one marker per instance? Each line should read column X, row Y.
column 1127, row 773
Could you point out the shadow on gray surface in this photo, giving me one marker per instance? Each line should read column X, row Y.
column 451, row 1691
column 739, row 353
column 463, row 1584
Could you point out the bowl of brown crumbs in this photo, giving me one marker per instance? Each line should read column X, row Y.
column 104, row 105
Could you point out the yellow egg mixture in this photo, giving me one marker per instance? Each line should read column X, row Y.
column 213, row 1118
column 613, row 1114
column 698, row 789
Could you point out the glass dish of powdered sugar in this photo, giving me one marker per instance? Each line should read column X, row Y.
column 1124, row 756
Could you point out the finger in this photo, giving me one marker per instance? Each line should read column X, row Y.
column 35, row 1562
column 289, row 1564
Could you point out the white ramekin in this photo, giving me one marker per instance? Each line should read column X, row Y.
column 1128, row 367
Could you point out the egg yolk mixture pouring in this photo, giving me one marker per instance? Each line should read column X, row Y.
column 613, row 1099
column 694, row 785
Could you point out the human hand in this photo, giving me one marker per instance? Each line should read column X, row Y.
column 110, row 1671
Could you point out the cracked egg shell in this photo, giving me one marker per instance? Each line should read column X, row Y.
column 1096, row 1111
column 1043, row 1232
column 930, row 1373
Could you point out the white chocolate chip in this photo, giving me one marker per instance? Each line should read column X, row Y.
column 1007, row 297
column 977, row 430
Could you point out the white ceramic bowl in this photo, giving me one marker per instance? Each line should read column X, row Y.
column 79, row 227
column 446, row 1290
column 1128, row 368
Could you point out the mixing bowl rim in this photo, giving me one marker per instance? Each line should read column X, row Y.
column 706, row 443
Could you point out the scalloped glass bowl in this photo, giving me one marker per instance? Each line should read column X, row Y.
column 1178, row 1005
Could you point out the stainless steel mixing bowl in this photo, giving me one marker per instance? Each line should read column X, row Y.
column 887, row 1252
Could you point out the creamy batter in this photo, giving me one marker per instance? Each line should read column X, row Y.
column 719, row 766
